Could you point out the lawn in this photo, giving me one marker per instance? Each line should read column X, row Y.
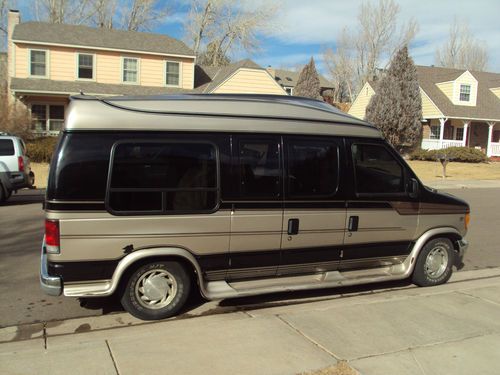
column 432, row 170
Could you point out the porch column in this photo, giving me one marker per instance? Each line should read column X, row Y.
column 441, row 131
column 466, row 127
column 490, row 135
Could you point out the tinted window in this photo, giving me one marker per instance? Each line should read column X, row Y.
column 376, row 170
column 80, row 170
column 159, row 177
column 259, row 164
column 312, row 168
column 6, row 147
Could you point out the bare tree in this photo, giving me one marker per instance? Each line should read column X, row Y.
column 227, row 25
column 462, row 50
column 139, row 15
column 5, row 5
column 62, row 11
column 360, row 51
column 103, row 13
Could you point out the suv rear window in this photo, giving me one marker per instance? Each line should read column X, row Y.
column 6, row 147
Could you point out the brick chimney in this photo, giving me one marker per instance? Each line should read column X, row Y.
column 13, row 19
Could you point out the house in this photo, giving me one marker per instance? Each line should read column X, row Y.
column 288, row 80
column 459, row 108
column 49, row 62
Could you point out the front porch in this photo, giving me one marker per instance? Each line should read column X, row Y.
column 443, row 133
column 47, row 112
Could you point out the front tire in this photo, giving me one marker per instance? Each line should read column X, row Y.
column 435, row 263
column 156, row 290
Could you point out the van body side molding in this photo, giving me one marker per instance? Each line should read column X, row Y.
column 102, row 288
column 215, row 290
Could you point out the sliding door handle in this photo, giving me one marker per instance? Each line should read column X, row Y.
column 293, row 226
column 353, row 223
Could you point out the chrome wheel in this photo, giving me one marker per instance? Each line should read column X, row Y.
column 156, row 289
column 436, row 262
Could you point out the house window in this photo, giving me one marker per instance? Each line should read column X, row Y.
column 464, row 93
column 47, row 118
column 38, row 63
column 448, row 131
column 289, row 90
column 172, row 73
column 130, row 69
column 85, row 66
column 434, row 132
column 459, row 134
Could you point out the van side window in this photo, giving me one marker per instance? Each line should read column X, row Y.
column 163, row 177
column 376, row 170
column 259, row 164
column 312, row 168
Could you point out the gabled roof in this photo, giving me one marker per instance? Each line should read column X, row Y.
column 289, row 78
column 88, row 37
column 217, row 75
column 487, row 104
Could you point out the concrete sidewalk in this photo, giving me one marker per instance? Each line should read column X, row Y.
column 450, row 329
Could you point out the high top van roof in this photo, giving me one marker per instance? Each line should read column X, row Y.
column 215, row 113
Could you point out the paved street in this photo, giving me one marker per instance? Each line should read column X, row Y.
column 21, row 231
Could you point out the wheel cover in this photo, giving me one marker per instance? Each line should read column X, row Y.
column 156, row 289
column 436, row 262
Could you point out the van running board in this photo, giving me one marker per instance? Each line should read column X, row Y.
column 223, row 289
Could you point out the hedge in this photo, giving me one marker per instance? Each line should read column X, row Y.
column 460, row 154
column 40, row 150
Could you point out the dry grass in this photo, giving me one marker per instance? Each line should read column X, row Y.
column 432, row 170
column 341, row 368
column 41, row 171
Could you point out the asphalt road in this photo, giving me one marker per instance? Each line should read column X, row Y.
column 21, row 232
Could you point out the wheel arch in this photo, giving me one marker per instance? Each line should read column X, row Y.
column 140, row 257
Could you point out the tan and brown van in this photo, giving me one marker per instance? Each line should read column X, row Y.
column 234, row 195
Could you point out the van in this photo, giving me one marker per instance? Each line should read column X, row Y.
column 234, row 195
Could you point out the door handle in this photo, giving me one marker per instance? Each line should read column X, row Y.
column 353, row 223
column 293, row 226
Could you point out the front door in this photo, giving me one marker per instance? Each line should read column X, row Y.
column 314, row 208
column 381, row 218
column 257, row 209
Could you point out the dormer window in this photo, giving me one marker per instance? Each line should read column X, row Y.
column 464, row 93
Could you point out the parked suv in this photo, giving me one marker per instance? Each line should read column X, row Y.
column 15, row 170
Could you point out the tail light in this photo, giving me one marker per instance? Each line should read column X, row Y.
column 20, row 163
column 467, row 220
column 52, row 236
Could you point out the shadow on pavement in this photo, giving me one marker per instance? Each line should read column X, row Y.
column 25, row 196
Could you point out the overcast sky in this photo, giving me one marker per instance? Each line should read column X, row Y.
column 306, row 27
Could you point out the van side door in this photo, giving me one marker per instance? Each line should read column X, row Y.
column 314, row 208
column 256, row 206
column 381, row 216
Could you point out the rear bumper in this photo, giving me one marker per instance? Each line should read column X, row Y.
column 51, row 285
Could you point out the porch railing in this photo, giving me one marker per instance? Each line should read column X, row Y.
column 495, row 148
column 433, row 144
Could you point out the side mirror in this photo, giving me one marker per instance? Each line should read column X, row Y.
column 413, row 193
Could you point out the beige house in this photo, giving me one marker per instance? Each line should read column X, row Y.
column 49, row 62
column 459, row 108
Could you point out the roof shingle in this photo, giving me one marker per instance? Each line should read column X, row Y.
column 84, row 36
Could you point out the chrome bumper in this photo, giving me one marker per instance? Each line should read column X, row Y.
column 51, row 285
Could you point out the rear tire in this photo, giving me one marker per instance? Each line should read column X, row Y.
column 435, row 263
column 3, row 194
column 156, row 290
